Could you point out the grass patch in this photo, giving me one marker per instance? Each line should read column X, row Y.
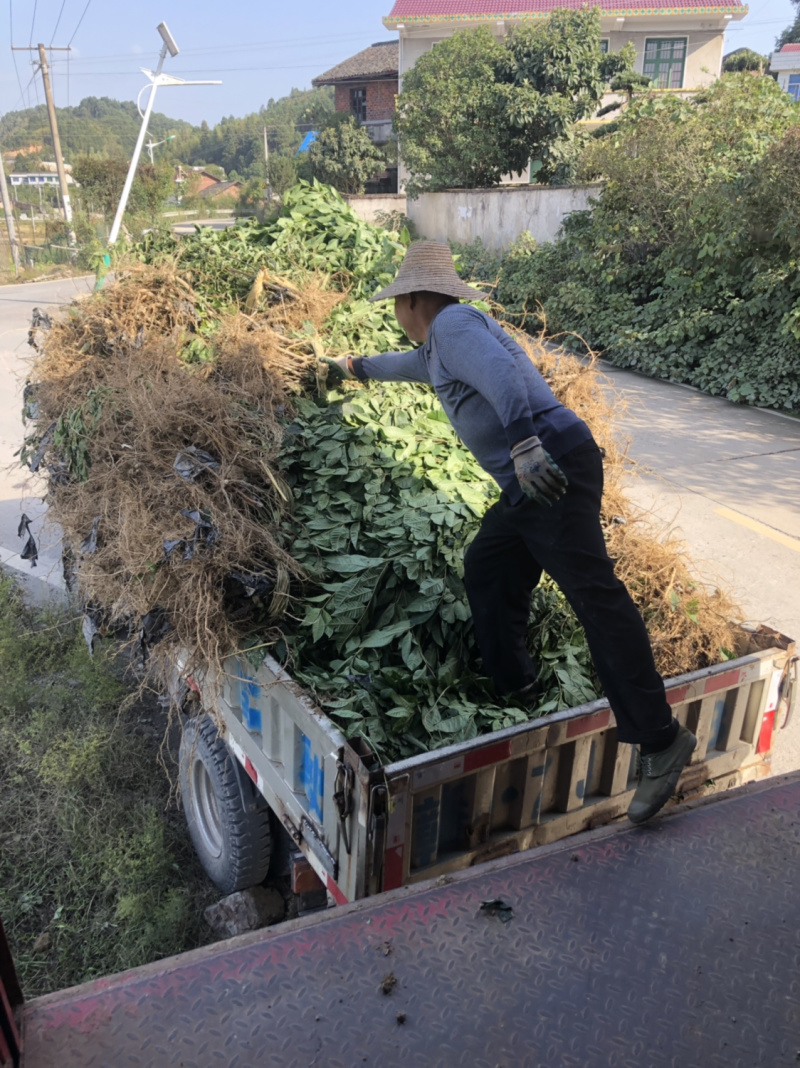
column 96, row 870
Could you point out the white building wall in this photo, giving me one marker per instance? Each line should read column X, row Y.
column 500, row 215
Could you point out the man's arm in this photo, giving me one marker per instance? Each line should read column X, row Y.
column 391, row 367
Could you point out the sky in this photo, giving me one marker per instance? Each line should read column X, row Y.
column 258, row 49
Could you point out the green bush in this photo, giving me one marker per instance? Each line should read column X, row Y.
column 687, row 267
column 95, row 874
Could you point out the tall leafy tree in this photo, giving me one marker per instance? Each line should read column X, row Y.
column 344, row 156
column 101, row 182
column 475, row 108
column 791, row 35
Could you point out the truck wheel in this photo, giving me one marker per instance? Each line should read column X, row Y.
column 228, row 819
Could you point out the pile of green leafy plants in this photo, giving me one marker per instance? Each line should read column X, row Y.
column 95, row 875
column 386, row 501
column 316, row 230
column 366, row 498
column 688, row 265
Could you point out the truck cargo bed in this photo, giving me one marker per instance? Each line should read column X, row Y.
column 672, row 944
column 366, row 829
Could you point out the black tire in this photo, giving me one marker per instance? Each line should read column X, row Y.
column 228, row 820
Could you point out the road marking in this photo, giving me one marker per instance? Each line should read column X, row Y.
column 759, row 528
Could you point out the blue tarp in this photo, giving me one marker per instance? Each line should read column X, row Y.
column 308, row 140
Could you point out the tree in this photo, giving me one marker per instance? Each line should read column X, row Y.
column 101, row 182
column 475, row 108
column 282, row 174
column 745, row 59
column 27, row 164
column 344, row 156
column 791, row 35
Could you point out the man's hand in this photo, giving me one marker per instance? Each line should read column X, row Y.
column 336, row 370
column 539, row 476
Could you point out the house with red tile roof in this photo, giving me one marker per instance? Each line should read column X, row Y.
column 679, row 43
column 786, row 64
column 366, row 86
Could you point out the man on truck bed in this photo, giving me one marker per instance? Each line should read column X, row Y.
column 550, row 471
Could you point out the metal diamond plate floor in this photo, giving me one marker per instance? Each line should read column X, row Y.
column 675, row 944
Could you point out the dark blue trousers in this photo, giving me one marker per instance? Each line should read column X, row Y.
column 503, row 565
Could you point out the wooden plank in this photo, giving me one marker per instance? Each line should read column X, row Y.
column 735, row 708
column 527, row 811
column 617, row 767
column 477, row 831
column 581, row 754
column 710, row 707
column 752, row 718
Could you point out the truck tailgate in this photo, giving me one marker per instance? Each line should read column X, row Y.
column 672, row 944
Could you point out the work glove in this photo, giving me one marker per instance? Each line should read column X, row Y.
column 539, row 476
column 337, row 370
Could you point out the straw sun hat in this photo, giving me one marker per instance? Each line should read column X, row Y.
column 428, row 265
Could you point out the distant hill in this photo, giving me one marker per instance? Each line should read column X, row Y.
column 98, row 126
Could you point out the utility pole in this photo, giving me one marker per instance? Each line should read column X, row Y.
column 12, row 234
column 266, row 166
column 51, row 113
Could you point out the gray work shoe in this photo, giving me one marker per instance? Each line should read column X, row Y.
column 658, row 776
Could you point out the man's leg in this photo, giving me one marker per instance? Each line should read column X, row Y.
column 568, row 542
column 570, row 545
column 500, row 575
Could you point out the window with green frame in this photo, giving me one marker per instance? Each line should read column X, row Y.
column 664, row 61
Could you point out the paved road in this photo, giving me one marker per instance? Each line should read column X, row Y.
column 725, row 477
column 188, row 226
column 18, row 490
column 727, row 480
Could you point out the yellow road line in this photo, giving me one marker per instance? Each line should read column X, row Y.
column 759, row 528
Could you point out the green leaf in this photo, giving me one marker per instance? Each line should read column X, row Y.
column 346, row 564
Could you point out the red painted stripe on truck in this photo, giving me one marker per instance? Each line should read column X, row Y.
column 722, row 682
column 336, row 893
column 677, row 694
column 765, row 734
column 492, row 754
column 393, row 867
column 586, row 724
column 251, row 771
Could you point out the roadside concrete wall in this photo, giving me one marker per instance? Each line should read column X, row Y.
column 369, row 204
column 497, row 216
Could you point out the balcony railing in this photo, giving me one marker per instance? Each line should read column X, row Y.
column 380, row 130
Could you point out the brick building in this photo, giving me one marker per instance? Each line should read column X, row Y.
column 366, row 85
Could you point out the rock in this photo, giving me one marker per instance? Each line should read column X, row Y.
column 43, row 942
column 246, row 910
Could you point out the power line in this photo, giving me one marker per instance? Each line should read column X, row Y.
column 25, row 90
column 11, row 41
column 207, row 70
column 80, row 20
column 296, row 42
column 58, row 21
column 33, row 21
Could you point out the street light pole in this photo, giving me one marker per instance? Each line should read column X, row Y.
column 155, row 80
column 151, row 144
column 126, row 189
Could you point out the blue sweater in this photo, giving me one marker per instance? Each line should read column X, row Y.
column 489, row 388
